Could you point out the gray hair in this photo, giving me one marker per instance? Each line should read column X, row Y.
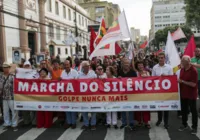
column 187, row 58
column 85, row 63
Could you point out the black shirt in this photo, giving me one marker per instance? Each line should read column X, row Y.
column 131, row 73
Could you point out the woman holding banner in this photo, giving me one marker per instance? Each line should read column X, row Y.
column 142, row 115
column 44, row 118
column 110, row 74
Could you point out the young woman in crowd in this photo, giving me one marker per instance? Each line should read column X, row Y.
column 142, row 116
column 44, row 118
column 111, row 116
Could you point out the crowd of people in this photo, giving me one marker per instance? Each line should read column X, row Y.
column 108, row 67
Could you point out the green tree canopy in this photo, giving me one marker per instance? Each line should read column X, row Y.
column 192, row 13
column 161, row 35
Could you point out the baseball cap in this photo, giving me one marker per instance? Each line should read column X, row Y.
column 6, row 65
column 27, row 63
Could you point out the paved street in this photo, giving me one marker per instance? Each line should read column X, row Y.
column 57, row 133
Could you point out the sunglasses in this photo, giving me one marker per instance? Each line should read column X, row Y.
column 100, row 69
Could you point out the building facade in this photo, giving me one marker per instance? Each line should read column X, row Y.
column 166, row 13
column 135, row 34
column 98, row 9
column 41, row 26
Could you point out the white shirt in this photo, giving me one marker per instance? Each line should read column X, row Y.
column 103, row 76
column 90, row 75
column 73, row 74
column 162, row 70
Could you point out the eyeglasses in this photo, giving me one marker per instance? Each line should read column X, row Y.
column 99, row 69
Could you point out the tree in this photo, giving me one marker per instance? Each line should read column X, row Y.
column 161, row 35
column 192, row 13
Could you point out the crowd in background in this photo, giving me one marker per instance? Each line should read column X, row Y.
column 107, row 67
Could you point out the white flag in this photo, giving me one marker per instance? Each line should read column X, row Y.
column 118, row 31
column 172, row 56
column 178, row 34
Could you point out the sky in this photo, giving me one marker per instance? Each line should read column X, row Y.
column 137, row 13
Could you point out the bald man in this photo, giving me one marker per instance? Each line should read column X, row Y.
column 188, row 90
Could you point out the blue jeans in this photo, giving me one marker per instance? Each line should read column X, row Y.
column 85, row 118
column 71, row 117
column 7, row 106
column 131, row 119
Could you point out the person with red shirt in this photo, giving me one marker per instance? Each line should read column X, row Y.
column 142, row 116
column 188, row 91
column 44, row 118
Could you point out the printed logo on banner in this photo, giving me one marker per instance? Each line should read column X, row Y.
column 55, row 107
column 47, row 106
column 64, row 107
column 174, row 106
column 163, row 106
column 136, row 107
column 19, row 106
column 152, row 106
column 75, row 107
column 127, row 107
column 144, row 106
column 39, row 106
column 30, row 107
column 96, row 107
column 84, row 108
column 116, row 107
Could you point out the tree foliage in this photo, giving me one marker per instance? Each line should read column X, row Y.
column 161, row 35
column 192, row 13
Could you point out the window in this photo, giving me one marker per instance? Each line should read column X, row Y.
column 69, row 14
column 49, row 6
column 65, row 36
column 86, row 23
column 84, row 38
column 51, row 31
column 82, row 21
column 66, row 51
column 74, row 13
column 57, row 8
column 64, row 12
column 58, row 50
column 98, row 18
column 58, row 32
column 100, row 9
column 79, row 18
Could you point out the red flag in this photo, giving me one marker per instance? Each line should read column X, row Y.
column 143, row 45
column 189, row 50
column 117, row 49
column 92, row 39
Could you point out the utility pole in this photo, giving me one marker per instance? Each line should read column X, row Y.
column 76, row 33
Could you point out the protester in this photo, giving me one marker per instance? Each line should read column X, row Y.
column 55, row 72
column 44, row 118
column 6, row 82
column 188, row 88
column 68, row 74
column 105, row 64
column 111, row 116
column 77, row 65
column 101, row 117
column 127, row 72
column 196, row 61
column 142, row 115
column 87, row 74
column 29, row 117
column 162, row 69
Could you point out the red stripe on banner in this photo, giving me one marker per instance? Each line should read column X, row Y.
column 139, row 85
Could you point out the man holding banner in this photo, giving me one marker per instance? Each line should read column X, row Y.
column 87, row 74
column 162, row 69
column 68, row 74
